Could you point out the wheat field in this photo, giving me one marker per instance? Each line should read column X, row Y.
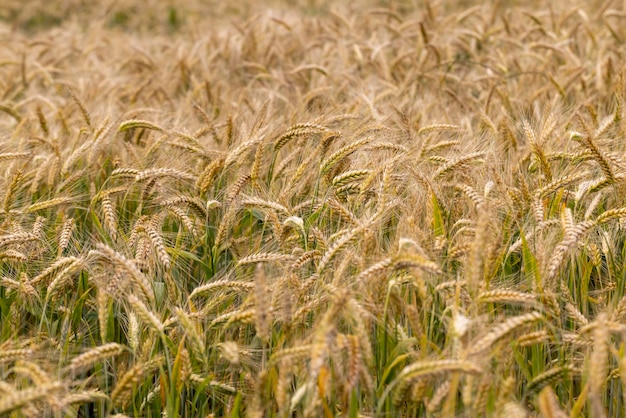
column 312, row 209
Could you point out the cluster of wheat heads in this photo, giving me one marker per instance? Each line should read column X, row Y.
column 372, row 212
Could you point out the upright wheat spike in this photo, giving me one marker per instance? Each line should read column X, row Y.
column 262, row 307
column 9, row 196
column 598, row 365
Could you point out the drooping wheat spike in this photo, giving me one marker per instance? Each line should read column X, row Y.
column 13, row 255
column 348, row 177
column 53, row 268
column 181, row 214
column 145, row 314
column 137, row 277
column 10, row 355
column 439, row 146
column 475, row 197
column 597, row 154
column 76, row 154
column 475, row 157
column 7, row 156
column 110, row 218
column 225, row 283
column 139, row 124
column 413, row 391
column 501, row 330
column 480, row 399
column 415, row 261
column 23, row 286
column 438, row 396
column 264, row 257
column 338, row 246
column 575, row 314
column 604, row 126
column 225, row 225
column 619, row 313
column 125, row 172
column 506, row 296
column 292, row 353
column 66, row 234
column 43, row 123
column 548, row 378
column 611, row 214
column 96, row 354
column 236, row 154
column 297, row 130
column 46, row 204
column 158, row 243
column 17, row 238
column 83, row 109
column 185, row 366
column 300, row 172
column 154, row 173
column 257, row 202
column 230, row 131
column 194, row 203
column 558, row 184
column 236, row 189
column 38, row 226
column 54, row 168
column 84, row 397
column 208, row 174
column 323, row 340
column 426, row 368
column 37, row 178
column 342, row 153
column 348, row 189
column 191, row 330
column 61, row 278
column 576, row 340
column 343, row 212
column 512, row 409
column 438, row 127
column 21, row 398
column 239, row 316
column 560, row 252
column 305, row 258
column 591, row 207
column 135, row 375
column 549, row 405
